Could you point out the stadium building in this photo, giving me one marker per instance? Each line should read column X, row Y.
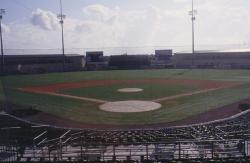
column 219, row 60
column 162, row 59
column 129, row 61
column 30, row 64
column 95, row 60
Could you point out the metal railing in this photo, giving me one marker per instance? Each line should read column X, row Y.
column 82, row 151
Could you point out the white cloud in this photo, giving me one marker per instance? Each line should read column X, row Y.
column 29, row 37
column 223, row 23
column 115, row 27
column 87, row 26
column 47, row 20
column 218, row 22
column 100, row 12
column 182, row 1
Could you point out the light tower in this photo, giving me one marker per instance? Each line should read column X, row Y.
column 193, row 13
column 61, row 17
column 2, row 11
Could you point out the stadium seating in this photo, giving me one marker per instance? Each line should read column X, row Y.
column 220, row 140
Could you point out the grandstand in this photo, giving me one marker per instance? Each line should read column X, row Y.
column 129, row 61
column 223, row 140
column 95, row 60
column 41, row 63
column 216, row 60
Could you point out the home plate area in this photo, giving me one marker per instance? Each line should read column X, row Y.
column 130, row 106
column 130, row 90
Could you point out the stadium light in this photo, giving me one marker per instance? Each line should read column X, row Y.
column 2, row 12
column 61, row 17
column 193, row 13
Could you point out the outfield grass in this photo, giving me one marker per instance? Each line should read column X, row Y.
column 88, row 112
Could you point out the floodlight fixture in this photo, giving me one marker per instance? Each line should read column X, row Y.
column 2, row 12
column 61, row 17
column 193, row 12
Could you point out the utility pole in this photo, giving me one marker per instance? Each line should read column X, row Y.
column 61, row 17
column 2, row 11
column 193, row 13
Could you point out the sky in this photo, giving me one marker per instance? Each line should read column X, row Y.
column 126, row 25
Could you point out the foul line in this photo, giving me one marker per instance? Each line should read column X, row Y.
column 184, row 94
column 66, row 96
column 78, row 98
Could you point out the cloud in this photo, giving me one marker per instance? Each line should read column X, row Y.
column 86, row 27
column 45, row 19
column 28, row 36
column 150, row 25
column 100, row 12
column 224, row 24
column 116, row 27
column 181, row 1
column 108, row 27
column 158, row 26
column 96, row 9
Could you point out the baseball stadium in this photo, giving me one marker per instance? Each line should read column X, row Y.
column 108, row 101
column 126, row 115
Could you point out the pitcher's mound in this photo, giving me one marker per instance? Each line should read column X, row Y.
column 130, row 106
column 128, row 90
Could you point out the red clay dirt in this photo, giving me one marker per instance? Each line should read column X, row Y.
column 202, row 84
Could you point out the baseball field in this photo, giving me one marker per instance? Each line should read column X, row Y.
column 128, row 98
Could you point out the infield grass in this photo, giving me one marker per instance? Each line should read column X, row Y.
column 150, row 91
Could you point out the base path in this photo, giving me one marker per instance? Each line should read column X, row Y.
column 184, row 94
column 79, row 98
column 191, row 93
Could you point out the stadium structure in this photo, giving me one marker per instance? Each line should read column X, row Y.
column 218, row 135
column 224, row 140
column 41, row 63
column 168, row 59
column 217, row 60
column 162, row 107
column 96, row 60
